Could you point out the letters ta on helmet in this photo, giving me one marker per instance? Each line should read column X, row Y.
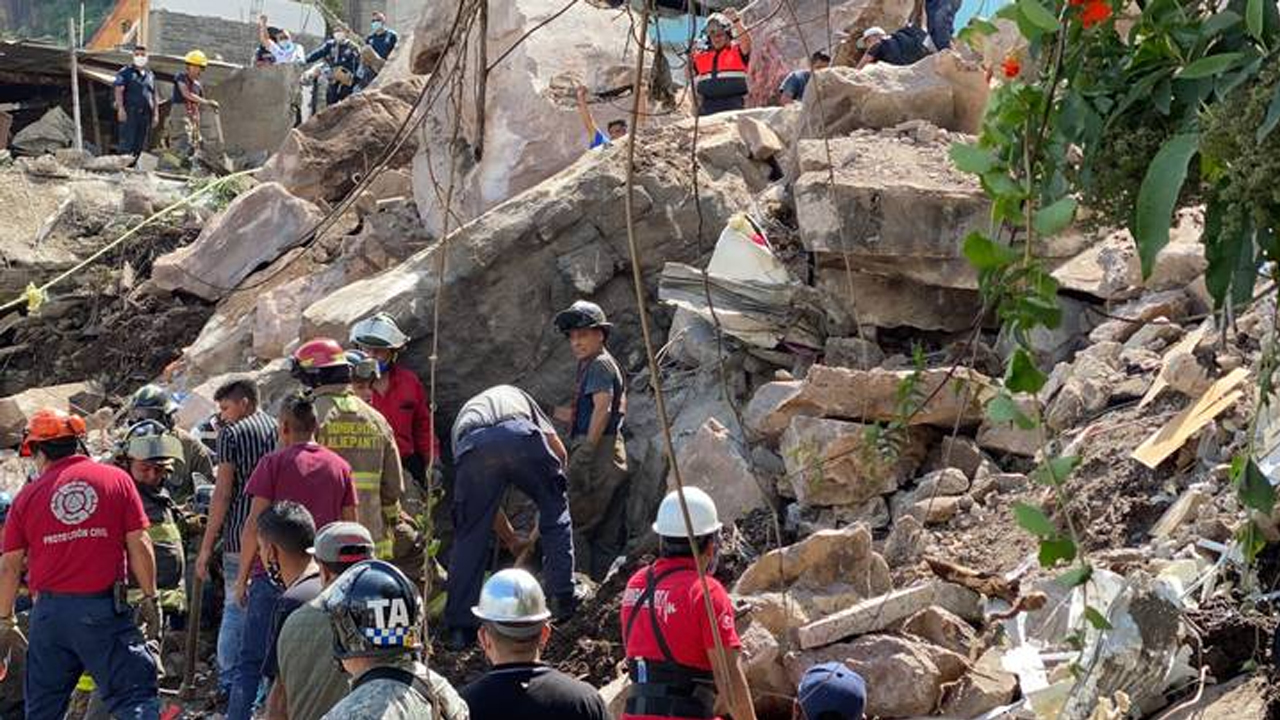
column 48, row 424
column 582, row 315
column 374, row 611
column 513, row 602
column 379, row 331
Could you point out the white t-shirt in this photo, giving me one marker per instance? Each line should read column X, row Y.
column 295, row 53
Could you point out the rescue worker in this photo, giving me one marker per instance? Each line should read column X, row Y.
column 830, row 691
column 670, row 642
column 75, row 529
column 355, row 430
column 188, row 93
column 398, row 394
column 719, row 69
column 364, row 371
column 515, row 629
column 377, row 48
column 135, row 101
column 195, row 467
column 502, row 438
column 11, row 705
column 597, row 452
column 149, row 454
column 342, row 60
column 375, row 614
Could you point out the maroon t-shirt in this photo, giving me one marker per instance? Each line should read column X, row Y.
column 309, row 474
column 72, row 522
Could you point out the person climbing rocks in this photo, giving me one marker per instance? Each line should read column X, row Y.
column 794, row 84
column 719, row 68
column 398, row 394
column 355, row 430
column 597, row 452
column 501, row 438
column 617, row 129
column 670, row 642
column 342, row 61
column 135, row 101
column 904, row 47
column 515, row 628
column 82, row 620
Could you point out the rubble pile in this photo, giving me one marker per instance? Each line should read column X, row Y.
column 824, row 356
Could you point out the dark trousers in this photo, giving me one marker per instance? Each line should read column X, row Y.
column 71, row 635
column 337, row 93
column 510, row 453
column 941, row 18
column 711, row 106
column 134, row 131
column 258, row 612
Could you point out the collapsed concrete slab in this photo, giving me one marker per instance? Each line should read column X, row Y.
column 878, row 613
column 256, row 228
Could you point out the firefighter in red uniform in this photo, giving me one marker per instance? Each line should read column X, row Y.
column 398, row 394
column 719, row 68
column 76, row 528
column 676, row 670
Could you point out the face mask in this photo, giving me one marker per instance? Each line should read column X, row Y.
column 339, row 37
column 139, row 61
column 383, row 367
column 376, row 26
column 273, row 572
column 286, row 45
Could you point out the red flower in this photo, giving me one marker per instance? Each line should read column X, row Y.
column 1095, row 12
column 1012, row 66
column 1076, row 3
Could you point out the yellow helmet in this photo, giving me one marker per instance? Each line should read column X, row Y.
column 197, row 58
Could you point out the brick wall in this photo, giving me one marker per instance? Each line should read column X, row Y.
column 175, row 34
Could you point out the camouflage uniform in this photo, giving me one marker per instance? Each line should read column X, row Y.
column 352, row 428
column 384, row 699
column 196, row 460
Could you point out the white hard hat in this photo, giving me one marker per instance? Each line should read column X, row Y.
column 380, row 331
column 513, row 601
column 702, row 513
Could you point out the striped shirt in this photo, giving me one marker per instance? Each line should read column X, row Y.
column 243, row 444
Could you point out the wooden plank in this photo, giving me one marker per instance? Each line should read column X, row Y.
column 1187, row 344
column 1175, row 433
column 880, row 612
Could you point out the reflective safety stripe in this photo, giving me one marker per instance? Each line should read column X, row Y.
column 725, row 75
column 345, row 403
column 86, row 683
column 367, row 480
column 384, row 549
column 391, row 513
column 165, row 533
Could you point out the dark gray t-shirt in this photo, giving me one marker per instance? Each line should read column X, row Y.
column 495, row 405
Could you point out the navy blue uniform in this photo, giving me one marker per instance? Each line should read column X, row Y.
column 383, row 43
column 139, row 108
column 338, row 55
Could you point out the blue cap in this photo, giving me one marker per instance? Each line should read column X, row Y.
column 832, row 687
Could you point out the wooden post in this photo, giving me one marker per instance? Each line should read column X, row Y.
column 94, row 118
column 75, row 84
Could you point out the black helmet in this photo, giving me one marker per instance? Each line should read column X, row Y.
column 152, row 402
column 374, row 611
column 582, row 315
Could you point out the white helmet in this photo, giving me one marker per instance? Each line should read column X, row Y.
column 702, row 513
column 379, row 331
column 514, row 602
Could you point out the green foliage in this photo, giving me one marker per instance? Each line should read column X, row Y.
column 1157, row 196
column 1054, row 473
column 1096, row 619
column 1253, row 488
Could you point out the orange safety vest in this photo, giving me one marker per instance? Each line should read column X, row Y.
column 720, row 73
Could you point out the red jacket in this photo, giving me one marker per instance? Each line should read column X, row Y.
column 405, row 407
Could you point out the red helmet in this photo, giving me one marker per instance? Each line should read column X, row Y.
column 319, row 353
column 51, row 424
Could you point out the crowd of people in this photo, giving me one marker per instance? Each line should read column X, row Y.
column 295, row 512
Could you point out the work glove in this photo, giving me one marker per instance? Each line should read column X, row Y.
column 149, row 616
column 11, row 638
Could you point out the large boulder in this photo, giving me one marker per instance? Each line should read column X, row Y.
column 502, row 278
column 826, row 560
column 905, row 677
column 953, row 395
column 256, row 228
column 15, row 410
column 832, row 462
column 322, row 159
column 510, row 152
column 715, row 461
column 943, row 89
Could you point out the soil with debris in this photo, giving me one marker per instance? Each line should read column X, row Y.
column 103, row 326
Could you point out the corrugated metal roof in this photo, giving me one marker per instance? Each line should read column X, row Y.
column 29, row 57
